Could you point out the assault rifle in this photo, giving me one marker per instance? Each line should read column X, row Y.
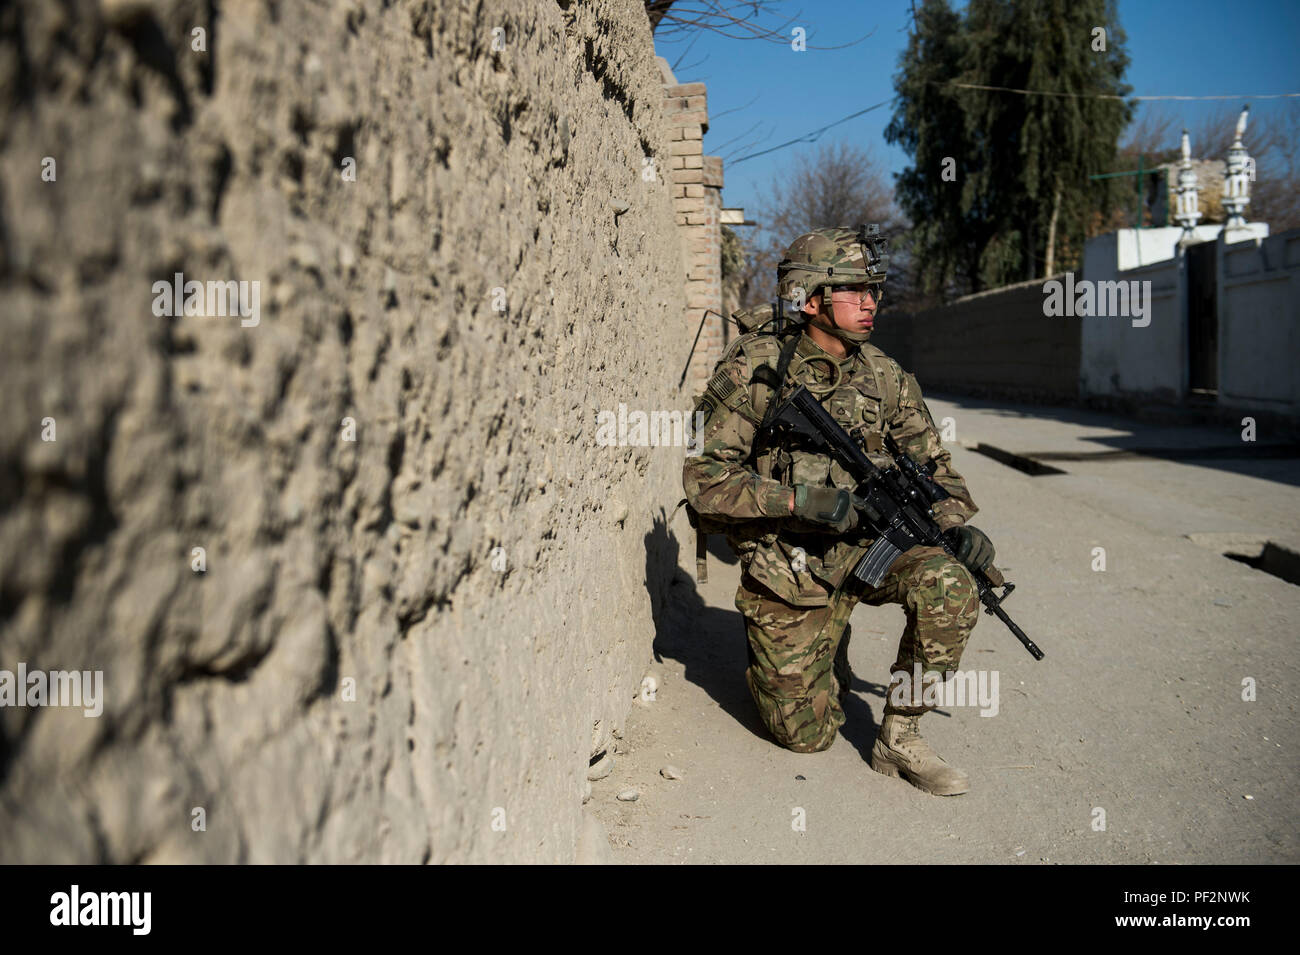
column 896, row 502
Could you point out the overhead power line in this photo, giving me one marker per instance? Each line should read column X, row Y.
column 813, row 136
column 1009, row 89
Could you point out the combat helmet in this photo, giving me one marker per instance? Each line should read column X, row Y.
column 827, row 258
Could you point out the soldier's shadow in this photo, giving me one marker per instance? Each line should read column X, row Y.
column 710, row 643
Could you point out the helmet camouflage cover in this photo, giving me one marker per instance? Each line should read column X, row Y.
column 831, row 257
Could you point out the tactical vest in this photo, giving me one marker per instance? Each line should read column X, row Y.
column 763, row 352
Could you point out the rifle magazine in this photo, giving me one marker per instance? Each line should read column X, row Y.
column 875, row 563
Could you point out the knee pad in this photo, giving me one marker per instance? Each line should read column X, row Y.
column 793, row 722
column 946, row 588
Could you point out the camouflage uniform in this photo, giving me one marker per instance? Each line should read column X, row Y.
column 791, row 595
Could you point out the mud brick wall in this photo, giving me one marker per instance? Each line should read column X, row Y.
column 425, row 595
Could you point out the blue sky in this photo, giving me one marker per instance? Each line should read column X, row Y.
column 1183, row 47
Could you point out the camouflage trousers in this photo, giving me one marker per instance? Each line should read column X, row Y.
column 798, row 656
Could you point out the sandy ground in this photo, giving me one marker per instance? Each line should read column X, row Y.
column 1137, row 709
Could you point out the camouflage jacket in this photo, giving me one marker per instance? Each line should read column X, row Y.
column 740, row 481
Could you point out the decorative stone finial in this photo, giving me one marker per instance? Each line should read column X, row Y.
column 1237, row 177
column 1187, row 212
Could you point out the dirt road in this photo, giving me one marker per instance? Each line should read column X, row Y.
column 1135, row 719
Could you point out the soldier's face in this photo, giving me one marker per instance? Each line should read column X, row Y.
column 852, row 307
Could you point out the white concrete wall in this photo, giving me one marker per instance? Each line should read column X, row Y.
column 1257, row 313
column 1259, row 324
column 1116, row 357
column 1135, row 248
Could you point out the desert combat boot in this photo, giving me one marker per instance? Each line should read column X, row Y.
column 900, row 750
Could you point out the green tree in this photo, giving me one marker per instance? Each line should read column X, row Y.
column 930, row 125
column 1021, row 194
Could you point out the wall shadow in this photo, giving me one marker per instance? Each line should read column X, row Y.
column 709, row 642
column 1274, row 456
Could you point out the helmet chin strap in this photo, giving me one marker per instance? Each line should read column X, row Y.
column 847, row 337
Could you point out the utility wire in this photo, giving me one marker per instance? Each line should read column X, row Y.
column 812, row 137
column 1008, row 89
column 816, row 133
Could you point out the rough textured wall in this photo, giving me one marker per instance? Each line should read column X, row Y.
column 330, row 563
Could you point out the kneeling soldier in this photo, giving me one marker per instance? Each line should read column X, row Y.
column 788, row 511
